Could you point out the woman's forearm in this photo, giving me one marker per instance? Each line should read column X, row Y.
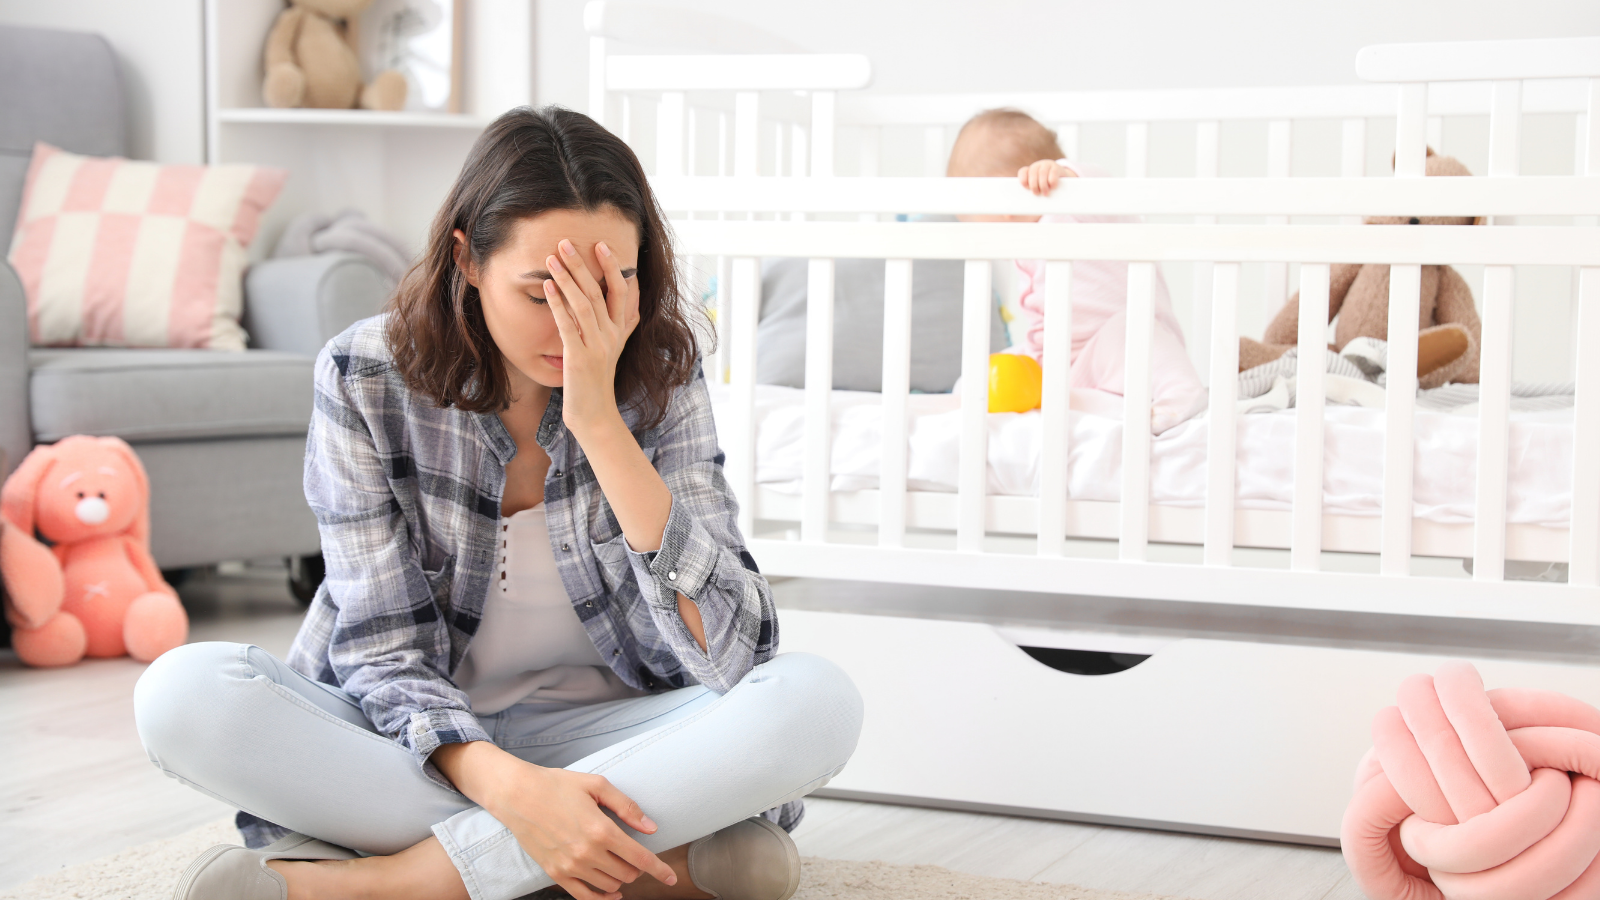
column 639, row 498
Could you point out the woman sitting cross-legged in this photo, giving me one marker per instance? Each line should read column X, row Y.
column 542, row 655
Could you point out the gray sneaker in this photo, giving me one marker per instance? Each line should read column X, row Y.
column 231, row 872
column 749, row 860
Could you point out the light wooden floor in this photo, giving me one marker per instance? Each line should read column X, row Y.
column 77, row 786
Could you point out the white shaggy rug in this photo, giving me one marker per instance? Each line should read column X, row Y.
column 148, row 871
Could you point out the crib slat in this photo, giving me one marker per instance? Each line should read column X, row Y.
column 722, row 145
column 597, row 80
column 869, row 161
column 1591, row 164
column 746, row 134
column 724, row 309
column 818, row 479
column 1067, row 137
column 778, row 148
column 1055, row 427
column 1207, row 144
column 1410, row 131
column 669, row 134
column 972, row 479
column 1138, row 149
column 896, row 392
column 1353, row 156
column 1584, row 557
column 1400, row 398
column 1436, row 133
column 822, row 127
column 1222, row 415
column 1505, row 128
column 1305, row 541
column 1280, row 149
column 691, row 157
column 1494, row 423
column 933, row 157
column 741, row 465
column 799, row 145
column 1133, row 536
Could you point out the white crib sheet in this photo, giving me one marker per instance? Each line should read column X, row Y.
column 1540, row 454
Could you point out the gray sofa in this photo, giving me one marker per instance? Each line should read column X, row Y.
column 221, row 433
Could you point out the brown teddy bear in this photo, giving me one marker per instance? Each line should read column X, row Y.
column 1447, row 344
column 311, row 60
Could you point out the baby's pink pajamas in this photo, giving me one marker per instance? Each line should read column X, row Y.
column 1099, row 299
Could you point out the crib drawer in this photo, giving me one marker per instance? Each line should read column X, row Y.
column 1211, row 736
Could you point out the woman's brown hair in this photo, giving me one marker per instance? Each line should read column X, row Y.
column 527, row 162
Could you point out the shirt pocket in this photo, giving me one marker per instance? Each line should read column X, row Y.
column 615, row 567
column 440, row 581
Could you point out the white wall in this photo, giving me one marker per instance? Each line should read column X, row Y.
column 160, row 46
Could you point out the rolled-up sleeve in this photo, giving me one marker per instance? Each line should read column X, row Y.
column 389, row 647
column 703, row 555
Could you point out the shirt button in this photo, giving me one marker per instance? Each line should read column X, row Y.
column 565, row 547
column 589, row 603
column 672, row 576
column 617, row 652
column 558, row 473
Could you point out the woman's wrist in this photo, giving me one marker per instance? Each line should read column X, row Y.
column 476, row 768
column 593, row 432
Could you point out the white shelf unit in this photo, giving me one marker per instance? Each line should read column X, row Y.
column 356, row 118
column 396, row 167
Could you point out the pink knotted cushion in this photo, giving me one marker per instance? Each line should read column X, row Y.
column 1470, row 794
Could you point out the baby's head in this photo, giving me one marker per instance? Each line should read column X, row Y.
column 997, row 142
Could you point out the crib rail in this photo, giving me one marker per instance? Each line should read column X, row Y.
column 1542, row 196
column 975, row 516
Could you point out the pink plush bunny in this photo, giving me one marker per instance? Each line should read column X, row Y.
column 96, row 590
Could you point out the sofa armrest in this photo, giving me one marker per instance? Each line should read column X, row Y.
column 16, row 424
column 299, row 303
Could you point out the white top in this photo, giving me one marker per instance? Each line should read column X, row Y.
column 530, row 646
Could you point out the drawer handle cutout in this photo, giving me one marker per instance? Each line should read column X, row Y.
column 1084, row 662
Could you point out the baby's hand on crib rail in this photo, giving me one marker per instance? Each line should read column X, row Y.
column 1042, row 177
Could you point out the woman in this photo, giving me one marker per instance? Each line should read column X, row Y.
column 542, row 654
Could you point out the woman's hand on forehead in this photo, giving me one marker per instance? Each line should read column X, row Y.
column 595, row 323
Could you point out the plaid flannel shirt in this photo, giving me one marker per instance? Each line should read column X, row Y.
column 407, row 497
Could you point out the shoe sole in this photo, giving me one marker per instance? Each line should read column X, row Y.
column 186, row 880
column 791, row 854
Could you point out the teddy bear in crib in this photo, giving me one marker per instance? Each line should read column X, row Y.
column 94, row 590
column 311, row 61
column 1358, row 295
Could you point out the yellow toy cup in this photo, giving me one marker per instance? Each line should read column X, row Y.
column 1016, row 383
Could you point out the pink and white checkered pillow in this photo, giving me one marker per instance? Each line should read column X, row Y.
column 118, row 253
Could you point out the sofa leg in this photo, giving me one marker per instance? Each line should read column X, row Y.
column 305, row 575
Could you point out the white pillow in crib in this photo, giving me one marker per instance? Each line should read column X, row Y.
column 936, row 288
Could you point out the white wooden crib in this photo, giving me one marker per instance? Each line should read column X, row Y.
column 1252, row 736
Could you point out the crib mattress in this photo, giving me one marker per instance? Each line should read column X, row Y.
column 1539, row 490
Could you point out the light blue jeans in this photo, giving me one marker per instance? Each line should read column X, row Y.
column 234, row 722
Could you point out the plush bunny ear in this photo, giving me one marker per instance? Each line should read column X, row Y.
column 139, row 530
column 22, row 488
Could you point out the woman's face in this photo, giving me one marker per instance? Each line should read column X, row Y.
column 510, row 283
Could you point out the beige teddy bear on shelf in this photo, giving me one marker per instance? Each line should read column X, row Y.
column 311, row 60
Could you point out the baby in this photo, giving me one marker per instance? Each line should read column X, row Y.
column 1001, row 143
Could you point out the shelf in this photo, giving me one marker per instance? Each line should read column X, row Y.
column 348, row 117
